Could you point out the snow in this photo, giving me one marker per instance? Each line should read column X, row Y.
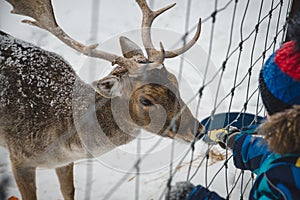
column 94, row 178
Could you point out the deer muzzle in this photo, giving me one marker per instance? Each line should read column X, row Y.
column 194, row 131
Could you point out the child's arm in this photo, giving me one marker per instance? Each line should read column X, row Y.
column 202, row 193
column 186, row 190
column 249, row 151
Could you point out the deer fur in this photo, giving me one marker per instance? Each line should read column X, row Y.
column 50, row 118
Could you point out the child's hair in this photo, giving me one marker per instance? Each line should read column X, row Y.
column 282, row 131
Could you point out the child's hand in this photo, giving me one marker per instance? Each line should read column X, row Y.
column 223, row 137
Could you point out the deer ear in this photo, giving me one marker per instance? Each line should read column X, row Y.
column 110, row 86
column 130, row 49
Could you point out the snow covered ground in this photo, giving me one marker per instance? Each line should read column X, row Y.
column 95, row 178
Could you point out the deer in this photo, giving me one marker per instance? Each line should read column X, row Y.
column 51, row 118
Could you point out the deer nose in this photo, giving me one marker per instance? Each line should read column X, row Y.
column 200, row 131
column 192, row 131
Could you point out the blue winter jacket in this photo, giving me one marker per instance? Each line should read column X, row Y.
column 278, row 176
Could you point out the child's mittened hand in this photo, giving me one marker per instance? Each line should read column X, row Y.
column 223, row 137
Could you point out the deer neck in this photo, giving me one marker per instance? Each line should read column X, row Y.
column 111, row 117
column 95, row 122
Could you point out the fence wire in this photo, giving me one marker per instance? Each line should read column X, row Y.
column 235, row 54
column 257, row 59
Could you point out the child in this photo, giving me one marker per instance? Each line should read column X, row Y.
column 275, row 159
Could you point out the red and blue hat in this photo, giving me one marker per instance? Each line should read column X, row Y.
column 279, row 79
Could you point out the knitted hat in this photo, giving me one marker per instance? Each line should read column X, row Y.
column 279, row 80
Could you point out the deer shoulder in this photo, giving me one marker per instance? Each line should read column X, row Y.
column 36, row 94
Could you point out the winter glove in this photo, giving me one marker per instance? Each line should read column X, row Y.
column 223, row 137
column 202, row 193
column 180, row 191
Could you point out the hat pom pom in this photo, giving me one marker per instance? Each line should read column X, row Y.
column 288, row 60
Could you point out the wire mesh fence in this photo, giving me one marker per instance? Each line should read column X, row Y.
column 252, row 31
column 237, row 37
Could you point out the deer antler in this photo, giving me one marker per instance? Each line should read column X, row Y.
column 148, row 18
column 42, row 12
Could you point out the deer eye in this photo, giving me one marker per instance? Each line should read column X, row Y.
column 146, row 102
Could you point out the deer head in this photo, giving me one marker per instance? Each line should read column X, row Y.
column 142, row 81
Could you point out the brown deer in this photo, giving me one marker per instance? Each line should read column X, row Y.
column 50, row 118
